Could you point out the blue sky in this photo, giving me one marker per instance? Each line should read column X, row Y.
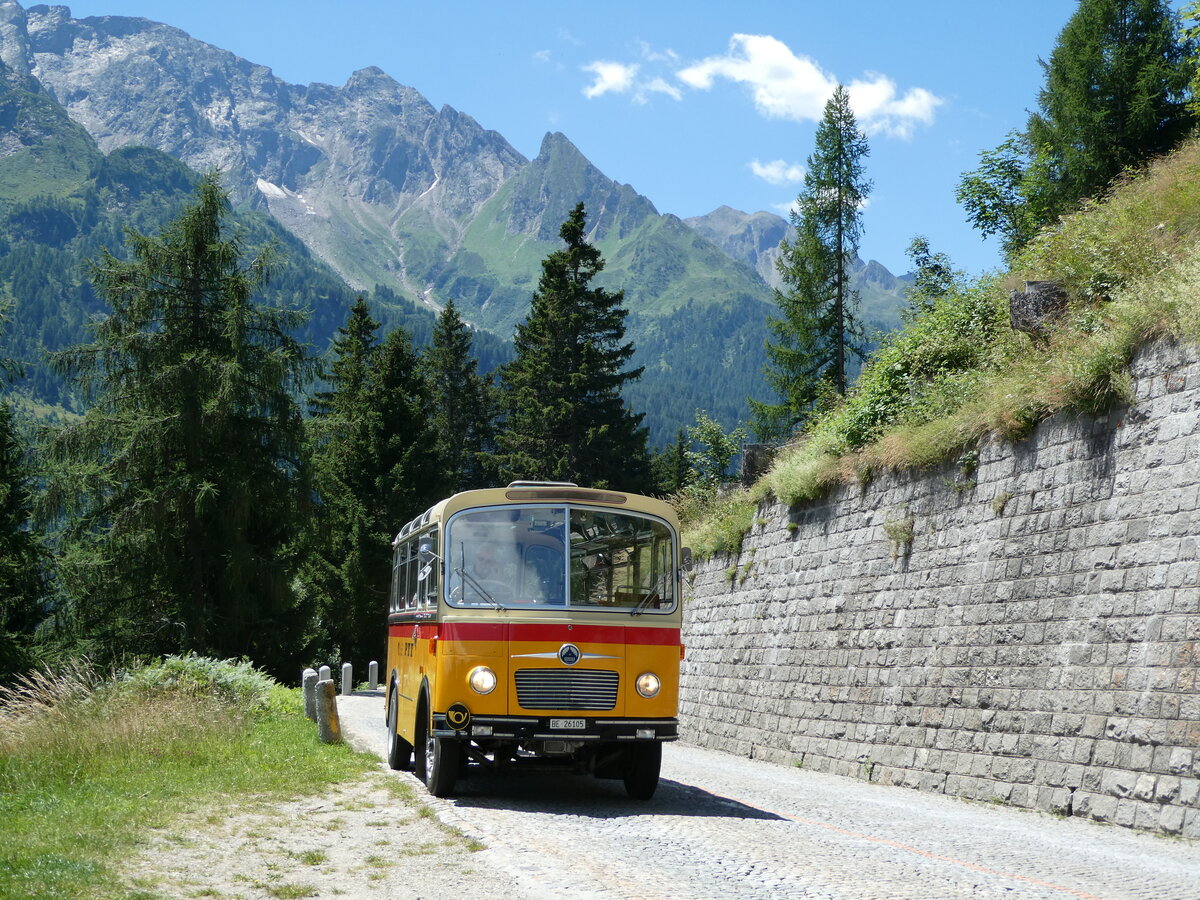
column 696, row 105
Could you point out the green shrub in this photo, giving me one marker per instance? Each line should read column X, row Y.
column 231, row 681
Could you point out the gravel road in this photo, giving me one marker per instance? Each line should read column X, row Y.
column 725, row 827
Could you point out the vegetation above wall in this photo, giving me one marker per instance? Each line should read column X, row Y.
column 957, row 373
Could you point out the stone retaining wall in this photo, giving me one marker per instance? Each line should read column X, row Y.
column 1027, row 632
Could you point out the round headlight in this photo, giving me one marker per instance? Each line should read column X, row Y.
column 482, row 680
column 648, row 685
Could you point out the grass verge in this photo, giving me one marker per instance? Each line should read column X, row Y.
column 88, row 767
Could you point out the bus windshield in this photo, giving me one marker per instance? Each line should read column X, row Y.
column 558, row 556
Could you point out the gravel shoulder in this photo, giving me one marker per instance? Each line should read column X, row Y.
column 376, row 839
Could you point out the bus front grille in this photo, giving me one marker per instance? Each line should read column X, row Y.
column 566, row 688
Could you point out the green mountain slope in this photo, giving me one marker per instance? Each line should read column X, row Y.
column 62, row 202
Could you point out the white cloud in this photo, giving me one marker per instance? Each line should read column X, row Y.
column 881, row 111
column 619, row 78
column 542, row 56
column 611, row 77
column 651, row 55
column 777, row 171
column 787, row 86
column 660, row 86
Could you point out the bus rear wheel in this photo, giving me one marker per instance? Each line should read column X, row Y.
column 437, row 759
column 641, row 770
column 399, row 751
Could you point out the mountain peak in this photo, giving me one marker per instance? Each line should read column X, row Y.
column 368, row 74
column 555, row 143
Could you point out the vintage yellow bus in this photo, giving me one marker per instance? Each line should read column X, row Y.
column 535, row 626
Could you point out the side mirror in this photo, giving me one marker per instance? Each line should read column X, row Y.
column 685, row 559
column 426, row 557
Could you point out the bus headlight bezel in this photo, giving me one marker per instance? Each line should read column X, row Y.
column 482, row 680
column 648, row 685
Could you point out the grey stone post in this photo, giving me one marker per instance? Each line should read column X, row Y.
column 373, row 675
column 329, row 726
column 324, row 673
column 310, row 693
column 347, row 679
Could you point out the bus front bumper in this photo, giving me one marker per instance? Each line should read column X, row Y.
column 556, row 728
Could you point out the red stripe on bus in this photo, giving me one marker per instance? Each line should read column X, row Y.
column 473, row 631
column 424, row 630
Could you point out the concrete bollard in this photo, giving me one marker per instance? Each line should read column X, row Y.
column 310, row 693
column 329, row 726
column 373, row 676
column 324, row 673
column 347, row 679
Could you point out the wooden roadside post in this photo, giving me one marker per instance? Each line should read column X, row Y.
column 329, row 727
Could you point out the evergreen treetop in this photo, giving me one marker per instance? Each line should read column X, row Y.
column 819, row 325
column 1115, row 94
column 565, row 419
column 461, row 401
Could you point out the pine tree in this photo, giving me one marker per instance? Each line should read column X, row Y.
column 410, row 477
column 672, row 468
column 374, row 469
column 565, row 419
column 343, row 542
column 819, row 326
column 1115, row 95
column 183, row 485
column 22, row 581
column 462, row 405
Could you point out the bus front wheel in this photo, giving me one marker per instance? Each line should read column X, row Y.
column 437, row 759
column 399, row 751
column 641, row 770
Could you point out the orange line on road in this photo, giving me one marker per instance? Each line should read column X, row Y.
column 1049, row 885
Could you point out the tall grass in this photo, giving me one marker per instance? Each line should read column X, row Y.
column 957, row 374
column 88, row 764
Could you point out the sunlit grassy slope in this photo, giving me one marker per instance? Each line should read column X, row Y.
column 957, row 372
column 88, row 765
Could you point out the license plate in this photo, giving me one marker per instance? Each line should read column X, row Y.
column 568, row 723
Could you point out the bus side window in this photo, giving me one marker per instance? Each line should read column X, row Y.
column 410, row 574
column 428, row 587
column 394, row 594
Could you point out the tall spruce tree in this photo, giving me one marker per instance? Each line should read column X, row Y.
column 672, row 468
column 462, row 404
column 1115, row 94
column 819, row 326
column 182, row 487
column 374, row 469
column 344, row 541
column 22, row 562
column 410, row 477
column 565, row 419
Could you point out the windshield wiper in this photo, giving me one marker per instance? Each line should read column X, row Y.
column 479, row 588
column 653, row 596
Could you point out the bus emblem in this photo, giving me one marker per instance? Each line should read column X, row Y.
column 568, row 654
column 458, row 717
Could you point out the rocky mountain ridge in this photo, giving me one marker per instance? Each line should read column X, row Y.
column 387, row 190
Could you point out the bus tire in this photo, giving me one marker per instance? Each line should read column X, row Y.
column 436, row 760
column 445, row 758
column 399, row 751
column 641, row 771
